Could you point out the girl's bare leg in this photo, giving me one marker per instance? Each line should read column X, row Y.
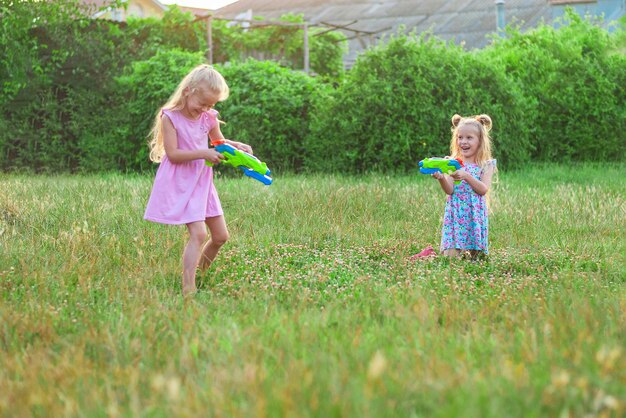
column 477, row 254
column 452, row 252
column 191, row 255
column 219, row 236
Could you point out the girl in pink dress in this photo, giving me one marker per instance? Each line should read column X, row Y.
column 183, row 190
column 465, row 220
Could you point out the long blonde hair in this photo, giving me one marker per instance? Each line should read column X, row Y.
column 203, row 76
column 483, row 124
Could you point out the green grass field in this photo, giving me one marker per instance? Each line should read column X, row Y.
column 312, row 309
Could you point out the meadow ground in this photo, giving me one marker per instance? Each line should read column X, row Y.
column 313, row 309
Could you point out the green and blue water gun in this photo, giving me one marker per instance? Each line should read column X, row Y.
column 442, row 165
column 248, row 163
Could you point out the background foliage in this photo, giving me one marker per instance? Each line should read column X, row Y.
column 575, row 78
column 80, row 94
column 395, row 107
column 75, row 89
column 260, row 111
column 281, row 43
column 146, row 85
column 270, row 108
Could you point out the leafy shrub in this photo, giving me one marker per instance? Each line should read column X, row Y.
column 395, row 106
column 575, row 82
column 175, row 30
column 66, row 61
column 80, row 94
column 148, row 84
column 269, row 107
column 60, row 94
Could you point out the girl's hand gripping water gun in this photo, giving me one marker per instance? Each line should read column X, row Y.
column 442, row 165
column 248, row 163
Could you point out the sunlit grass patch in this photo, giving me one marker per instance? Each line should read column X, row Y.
column 313, row 308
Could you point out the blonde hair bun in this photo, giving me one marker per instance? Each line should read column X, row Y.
column 484, row 120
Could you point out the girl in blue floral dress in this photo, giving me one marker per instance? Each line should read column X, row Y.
column 465, row 220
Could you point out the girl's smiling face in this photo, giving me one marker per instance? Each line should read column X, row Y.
column 197, row 101
column 468, row 141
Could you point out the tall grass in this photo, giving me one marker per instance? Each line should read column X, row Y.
column 312, row 308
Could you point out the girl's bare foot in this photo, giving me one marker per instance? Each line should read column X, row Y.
column 189, row 291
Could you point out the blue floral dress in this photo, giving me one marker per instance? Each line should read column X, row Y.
column 465, row 222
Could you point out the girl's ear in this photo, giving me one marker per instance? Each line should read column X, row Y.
column 484, row 120
column 456, row 119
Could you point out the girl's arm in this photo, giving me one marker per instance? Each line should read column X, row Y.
column 216, row 135
column 176, row 155
column 445, row 182
column 481, row 186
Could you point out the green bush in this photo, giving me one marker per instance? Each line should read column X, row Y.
column 80, row 94
column 175, row 30
column 395, row 106
column 270, row 108
column 68, row 82
column 70, row 93
column 147, row 85
column 574, row 77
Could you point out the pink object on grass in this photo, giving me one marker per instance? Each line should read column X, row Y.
column 425, row 253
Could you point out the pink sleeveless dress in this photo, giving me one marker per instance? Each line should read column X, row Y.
column 184, row 193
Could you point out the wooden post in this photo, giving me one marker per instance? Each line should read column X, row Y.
column 209, row 34
column 305, row 27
